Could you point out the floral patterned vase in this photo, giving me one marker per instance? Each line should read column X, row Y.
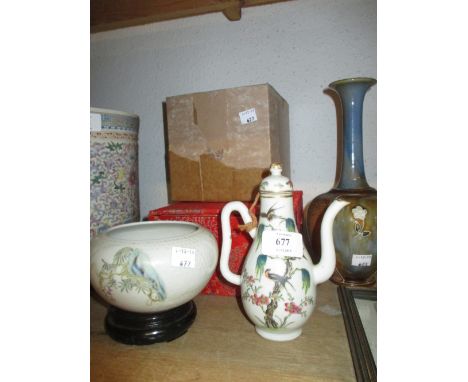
column 114, row 169
column 355, row 229
column 278, row 280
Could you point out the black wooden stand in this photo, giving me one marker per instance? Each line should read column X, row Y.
column 148, row 328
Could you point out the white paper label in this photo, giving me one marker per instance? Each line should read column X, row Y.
column 282, row 244
column 183, row 257
column 361, row 260
column 95, row 122
column 248, row 116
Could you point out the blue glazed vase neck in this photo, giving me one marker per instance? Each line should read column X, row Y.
column 351, row 93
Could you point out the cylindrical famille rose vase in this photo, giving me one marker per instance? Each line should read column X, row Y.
column 114, row 169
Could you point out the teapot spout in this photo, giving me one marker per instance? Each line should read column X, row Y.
column 325, row 268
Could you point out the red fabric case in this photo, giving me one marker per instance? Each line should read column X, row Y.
column 208, row 215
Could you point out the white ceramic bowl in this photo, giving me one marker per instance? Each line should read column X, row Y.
column 153, row 266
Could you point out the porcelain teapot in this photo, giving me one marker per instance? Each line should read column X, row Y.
column 278, row 280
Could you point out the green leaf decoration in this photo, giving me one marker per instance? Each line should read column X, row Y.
column 290, row 226
column 260, row 230
column 260, row 266
column 119, row 187
column 121, row 257
column 305, row 280
column 113, row 146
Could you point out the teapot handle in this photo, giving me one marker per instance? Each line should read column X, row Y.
column 227, row 241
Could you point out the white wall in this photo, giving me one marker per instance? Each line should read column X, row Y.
column 299, row 47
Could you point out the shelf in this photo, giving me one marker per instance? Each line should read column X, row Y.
column 111, row 14
column 222, row 345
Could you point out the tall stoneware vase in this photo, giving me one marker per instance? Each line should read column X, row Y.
column 114, row 197
column 355, row 228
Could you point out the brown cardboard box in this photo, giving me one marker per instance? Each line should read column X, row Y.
column 214, row 155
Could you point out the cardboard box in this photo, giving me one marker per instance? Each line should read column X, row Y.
column 222, row 143
column 208, row 215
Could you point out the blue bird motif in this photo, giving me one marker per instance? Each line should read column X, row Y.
column 260, row 266
column 140, row 266
column 282, row 280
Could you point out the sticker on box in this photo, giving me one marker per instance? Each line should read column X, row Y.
column 248, row 116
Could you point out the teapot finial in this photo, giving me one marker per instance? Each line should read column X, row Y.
column 276, row 168
column 276, row 182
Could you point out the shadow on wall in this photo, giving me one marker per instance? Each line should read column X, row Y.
column 166, row 152
column 166, row 155
column 339, row 153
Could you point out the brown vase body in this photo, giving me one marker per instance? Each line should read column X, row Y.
column 355, row 239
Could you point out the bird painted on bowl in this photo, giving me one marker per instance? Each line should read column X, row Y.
column 140, row 266
column 135, row 272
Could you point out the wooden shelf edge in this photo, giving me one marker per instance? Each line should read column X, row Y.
column 110, row 14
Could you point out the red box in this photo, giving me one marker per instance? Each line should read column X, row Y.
column 208, row 215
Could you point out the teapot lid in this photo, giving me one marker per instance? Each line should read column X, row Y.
column 275, row 182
